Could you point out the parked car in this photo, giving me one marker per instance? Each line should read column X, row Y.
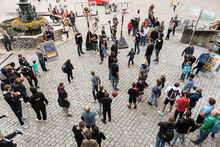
column 100, row 2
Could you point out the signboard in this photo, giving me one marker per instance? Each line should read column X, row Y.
column 50, row 49
column 107, row 9
column 211, row 66
column 206, row 15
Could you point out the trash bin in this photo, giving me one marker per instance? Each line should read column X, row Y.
column 216, row 46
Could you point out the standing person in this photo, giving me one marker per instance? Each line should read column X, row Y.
column 115, row 74
column 38, row 103
column 144, row 70
column 29, row 74
column 187, row 53
column 137, row 41
column 110, row 62
column 101, row 53
column 129, row 28
column 171, row 94
column 143, row 37
column 170, row 28
column 195, row 96
column 209, row 125
column 161, row 27
column 18, row 86
column 203, row 58
column 158, row 47
column 7, row 41
column 114, row 48
column 68, row 68
column 97, row 135
column 88, row 117
column 182, row 104
column 188, row 84
column 79, row 41
column 151, row 11
column 141, row 85
column 94, row 39
column 134, row 26
column 166, row 132
column 72, row 19
column 6, row 141
column 133, row 94
column 106, row 102
column 155, row 92
column 89, row 142
column 22, row 60
column 149, row 51
column 154, row 35
column 63, row 100
column 99, row 96
column 205, row 111
column 183, row 126
column 176, row 24
column 131, row 57
column 15, row 104
column 35, row 68
column 185, row 71
column 95, row 83
column 78, row 131
column 175, row 4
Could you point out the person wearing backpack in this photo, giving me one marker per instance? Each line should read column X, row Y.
column 183, row 126
column 95, row 83
column 195, row 96
column 217, row 129
column 97, row 135
column 210, row 124
column 171, row 93
column 67, row 68
column 133, row 94
column 155, row 92
column 182, row 104
column 166, row 132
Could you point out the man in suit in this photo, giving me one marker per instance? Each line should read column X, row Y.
column 7, row 41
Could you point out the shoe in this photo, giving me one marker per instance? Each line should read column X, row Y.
column 18, row 132
column 109, row 120
column 129, row 106
column 37, row 120
column 135, row 107
column 161, row 113
column 69, row 115
column 154, row 60
column 98, row 53
column 100, row 63
column 212, row 135
column 156, row 105
column 193, row 141
column 103, row 121
column 47, row 70
column 83, row 53
column 117, row 89
column 37, row 86
column 149, row 103
column 24, row 126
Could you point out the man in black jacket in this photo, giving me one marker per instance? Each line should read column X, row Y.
column 99, row 96
column 69, row 69
column 38, row 103
column 137, row 41
column 158, row 47
column 106, row 101
column 188, row 50
column 14, row 103
column 114, row 48
column 78, row 131
column 22, row 60
column 110, row 61
column 7, row 41
column 79, row 41
column 28, row 73
column 18, row 86
column 183, row 126
column 149, row 51
column 5, row 141
column 134, row 26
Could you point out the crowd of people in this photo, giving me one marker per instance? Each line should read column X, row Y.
column 87, row 133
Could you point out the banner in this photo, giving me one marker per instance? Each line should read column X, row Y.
column 107, row 9
column 206, row 15
column 50, row 49
column 212, row 65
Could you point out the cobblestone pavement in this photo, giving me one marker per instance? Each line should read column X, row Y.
column 129, row 127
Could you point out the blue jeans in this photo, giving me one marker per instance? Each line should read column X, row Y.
column 95, row 46
column 148, row 58
column 176, row 136
column 105, row 52
column 74, row 27
column 154, row 96
column 100, row 108
column 202, row 137
column 143, row 38
column 159, row 142
column 136, row 45
column 112, row 38
column 183, row 76
column 42, row 64
column 114, row 82
column 109, row 74
column 134, row 31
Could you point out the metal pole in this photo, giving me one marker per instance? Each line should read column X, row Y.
column 122, row 21
column 196, row 26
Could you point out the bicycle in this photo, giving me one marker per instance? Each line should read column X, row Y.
column 95, row 24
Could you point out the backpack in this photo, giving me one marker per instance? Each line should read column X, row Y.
column 172, row 94
column 64, row 68
column 216, row 128
column 168, row 135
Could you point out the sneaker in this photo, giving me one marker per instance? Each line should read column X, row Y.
column 83, row 53
column 135, row 107
column 129, row 106
column 161, row 113
column 69, row 115
column 24, row 126
column 98, row 53
column 103, row 121
column 156, row 105
column 18, row 132
column 37, row 120
column 100, row 63
column 149, row 103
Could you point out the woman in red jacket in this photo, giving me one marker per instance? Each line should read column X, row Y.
column 129, row 28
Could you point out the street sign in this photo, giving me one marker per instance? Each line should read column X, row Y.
column 206, row 15
column 50, row 49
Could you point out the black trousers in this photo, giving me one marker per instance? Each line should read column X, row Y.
column 174, row 29
column 79, row 144
column 178, row 113
column 18, row 113
column 7, row 44
column 79, row 48
column 9, row 137
column 39, row 111
column 101, row 55
column 109, row 114
column 67, row 34
column 131, row 60
column 25, row 98
column 94, row 88
column 168, row 34
column 70, row 75
column 30, row 81
column 199, row 67
column 157, row 51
